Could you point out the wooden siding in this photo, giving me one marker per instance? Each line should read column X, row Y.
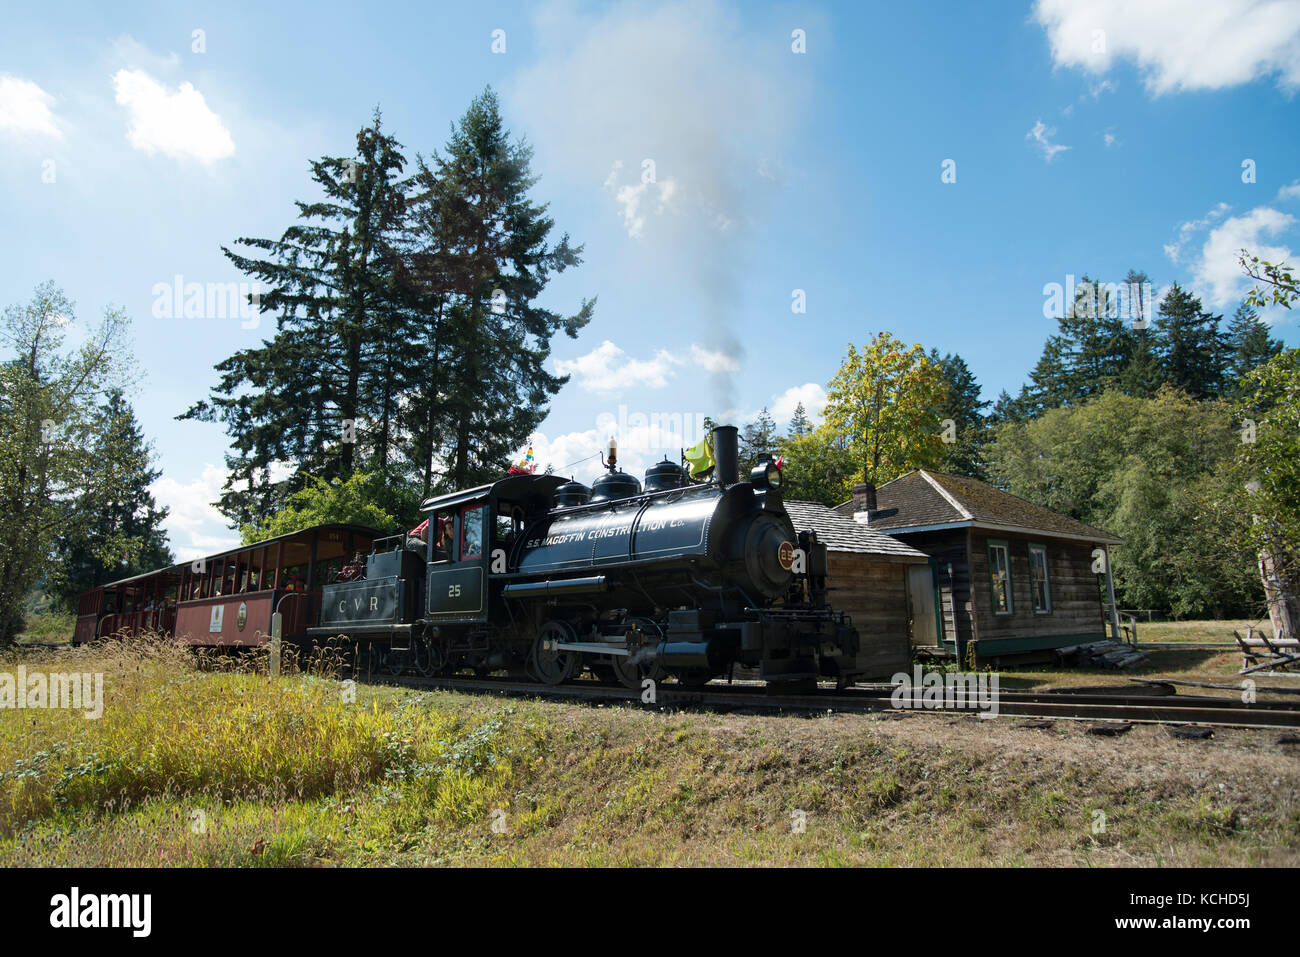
column 874, row 594
column 1075, row 591
column 948, row 547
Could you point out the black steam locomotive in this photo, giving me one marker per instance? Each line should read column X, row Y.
column 546, row 577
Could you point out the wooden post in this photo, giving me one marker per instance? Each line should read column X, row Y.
column 1110, row 593
column 277, row 630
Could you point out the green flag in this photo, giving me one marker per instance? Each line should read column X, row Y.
column 700, row 456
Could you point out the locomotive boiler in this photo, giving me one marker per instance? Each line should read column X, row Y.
column 541, row 576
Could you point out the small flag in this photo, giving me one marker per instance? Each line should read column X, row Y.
column 700, row 456
column 527, row 465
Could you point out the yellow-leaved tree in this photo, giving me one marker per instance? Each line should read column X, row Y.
column 883, row 401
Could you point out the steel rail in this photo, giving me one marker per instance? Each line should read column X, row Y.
column 1138, row 709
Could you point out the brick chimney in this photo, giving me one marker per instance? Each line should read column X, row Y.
column 864, row 501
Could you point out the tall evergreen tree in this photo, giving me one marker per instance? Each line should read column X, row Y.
column 757, row 438
column 1100, row 344
column 963, row 405
column 1191, row 345
column 799, row 424
column 324, row 385
column 483, row 258
column 115, row 525
column 1249, row 345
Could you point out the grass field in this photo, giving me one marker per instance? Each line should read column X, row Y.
column 1199, row 631
column 202, row 767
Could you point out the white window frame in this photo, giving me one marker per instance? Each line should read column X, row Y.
column 1046, row 579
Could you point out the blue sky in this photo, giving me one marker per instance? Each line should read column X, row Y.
column 1087, row 136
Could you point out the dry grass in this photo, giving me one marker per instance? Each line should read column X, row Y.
column 203, row 767
column 1199, row 631
column 1208, row 666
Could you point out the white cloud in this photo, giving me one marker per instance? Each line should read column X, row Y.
column 26, row 109
column 1178, row 45
column 194, row 526
column 1190, row 228
column 607, row 368
column 813, row 397
column 714, row 360
column 656, row 196
column 1109, row 138
column 1218, row 272
column 1289, row 192
column 641, row 442
column 176, row 123
column 1041, row 134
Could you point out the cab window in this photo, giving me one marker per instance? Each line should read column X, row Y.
column 441, row 535
column 471, row 532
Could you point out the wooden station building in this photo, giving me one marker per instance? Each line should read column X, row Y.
column 1009, row 577
column 871, row 577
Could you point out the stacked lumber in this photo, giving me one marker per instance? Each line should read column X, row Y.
column 1101, row 654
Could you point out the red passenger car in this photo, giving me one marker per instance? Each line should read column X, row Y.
column 228, row 598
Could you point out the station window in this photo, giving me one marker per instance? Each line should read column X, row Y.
column 1039, row 586
column 1000, row 578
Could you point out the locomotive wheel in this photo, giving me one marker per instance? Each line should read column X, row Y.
column 395, row 661
column 430, row 658
column 630, row 675
column 549, row 666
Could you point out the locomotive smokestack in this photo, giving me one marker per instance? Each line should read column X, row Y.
column 726, row 454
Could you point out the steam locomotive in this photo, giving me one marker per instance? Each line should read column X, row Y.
column 547, row 577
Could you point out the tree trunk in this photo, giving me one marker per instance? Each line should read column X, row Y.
column 1280, row 593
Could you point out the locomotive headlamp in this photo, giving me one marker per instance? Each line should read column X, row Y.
column 766, row 474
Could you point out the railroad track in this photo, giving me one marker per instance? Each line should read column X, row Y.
column 1158, row 706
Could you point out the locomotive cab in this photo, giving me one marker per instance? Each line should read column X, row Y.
column 484, row 527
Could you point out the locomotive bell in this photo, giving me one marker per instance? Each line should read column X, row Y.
column 664, row 475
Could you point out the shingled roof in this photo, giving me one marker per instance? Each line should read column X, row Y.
column 923, row 499
column 841, row 534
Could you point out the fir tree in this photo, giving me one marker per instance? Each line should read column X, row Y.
column 1191, row 345
column 1249, row 345
column 799, row 424
column 757, row 438
column 962, row 404
column 484, row 259
column 323, row 386
column 115, row 525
